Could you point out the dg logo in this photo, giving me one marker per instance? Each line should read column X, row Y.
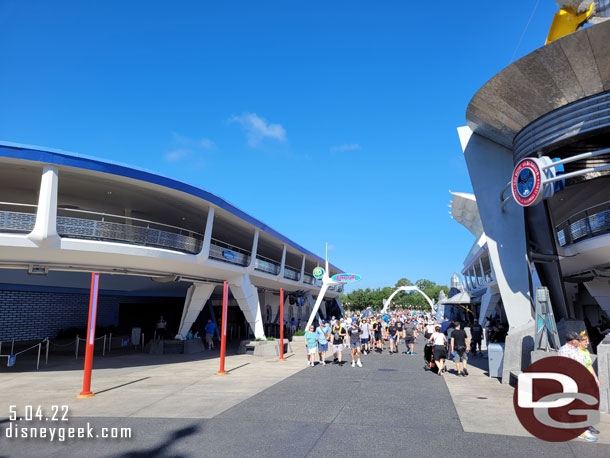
column 556, row 399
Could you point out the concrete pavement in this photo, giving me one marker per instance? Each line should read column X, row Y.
column 391, row 406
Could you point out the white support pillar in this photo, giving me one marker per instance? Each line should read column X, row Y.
column 207, row 236
column 302, row 278
column 319, row 300
column 282, row 264
column 252, row 264
column 246, row 295
column 45, row 228
column 196, row 298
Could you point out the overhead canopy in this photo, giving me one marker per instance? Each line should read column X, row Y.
column 465, row 211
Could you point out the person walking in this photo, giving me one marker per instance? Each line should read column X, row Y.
column 353, row 334
column 311, row 343
column 210, row 329
column 393, row 336
column 410, row 337
column 459, row 346
column 439, row 351
column 366, row 335
column 400, row 328
column 323, row 333
column 575, row 348
column 476, row 331
column 161, row 327
column 338, row 339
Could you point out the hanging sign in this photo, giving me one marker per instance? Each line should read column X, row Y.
column 346, row 278
column 318, row 272
column 529, row 181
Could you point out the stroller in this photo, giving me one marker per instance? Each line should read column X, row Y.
column 428, row 359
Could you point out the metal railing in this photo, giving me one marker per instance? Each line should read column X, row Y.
column 20, row 222
column 91, row 225
column 104, row 226
column 223, row 251
column 587, row 223
column 267, row 265
column 292, row 274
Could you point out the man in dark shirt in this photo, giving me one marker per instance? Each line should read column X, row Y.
column 445, row 325
column 410, row 336
column 476, row 330
column 400, row 329
column 459, row 345
column 393, row 336
column 353, row 333
column 337, row 338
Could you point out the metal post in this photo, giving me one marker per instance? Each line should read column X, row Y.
column 142, row 345
column 104, row 347
column 38, row 361
column 281, row 325
column 90, row 342
column 13, row 347
column 47, row 355
column 76, row 351
column 223, row 339
column 0, row 347
column 110, row 343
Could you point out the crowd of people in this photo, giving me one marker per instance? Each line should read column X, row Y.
column 385, row 332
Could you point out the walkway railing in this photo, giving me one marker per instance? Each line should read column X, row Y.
column 223, row 251
column 267, row 265
column 104, row 226
column 20, row 222
column 292, row 274
column 91, row 225
column 587, row 223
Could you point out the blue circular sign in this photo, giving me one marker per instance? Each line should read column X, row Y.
column 318, row 272
column 527, row 182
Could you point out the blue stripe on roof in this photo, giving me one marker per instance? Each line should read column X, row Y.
column 59, row 157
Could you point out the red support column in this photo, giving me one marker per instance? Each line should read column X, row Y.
column 95, row 283
column 281, row 324
column 223, row 334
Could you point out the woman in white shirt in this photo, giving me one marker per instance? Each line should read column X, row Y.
column 439, row 340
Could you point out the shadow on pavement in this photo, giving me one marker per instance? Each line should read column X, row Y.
column 161, row 450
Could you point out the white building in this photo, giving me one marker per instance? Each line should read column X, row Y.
column 162, row 246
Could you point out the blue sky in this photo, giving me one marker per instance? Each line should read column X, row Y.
column 328, row 120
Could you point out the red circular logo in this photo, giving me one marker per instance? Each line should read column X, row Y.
column 556, row 399
column 526, row 182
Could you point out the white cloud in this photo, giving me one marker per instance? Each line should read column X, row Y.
column 176, row 155
column 206, row 143
column 257, row 128
column 342, row 148
column 181, row 139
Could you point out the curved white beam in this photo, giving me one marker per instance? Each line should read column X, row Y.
column 386, row 307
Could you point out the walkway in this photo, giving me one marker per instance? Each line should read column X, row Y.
column 391, row 406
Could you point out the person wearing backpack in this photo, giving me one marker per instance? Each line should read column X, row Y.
column 337, row 338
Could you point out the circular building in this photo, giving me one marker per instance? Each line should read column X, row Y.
column 537, row 145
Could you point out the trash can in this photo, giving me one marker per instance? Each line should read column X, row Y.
column 495, row 354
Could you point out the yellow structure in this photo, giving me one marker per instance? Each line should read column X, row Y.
column 567, row 21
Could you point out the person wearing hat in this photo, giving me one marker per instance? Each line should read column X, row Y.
column 353, row 334
column 576, row 348
column 323, row 333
